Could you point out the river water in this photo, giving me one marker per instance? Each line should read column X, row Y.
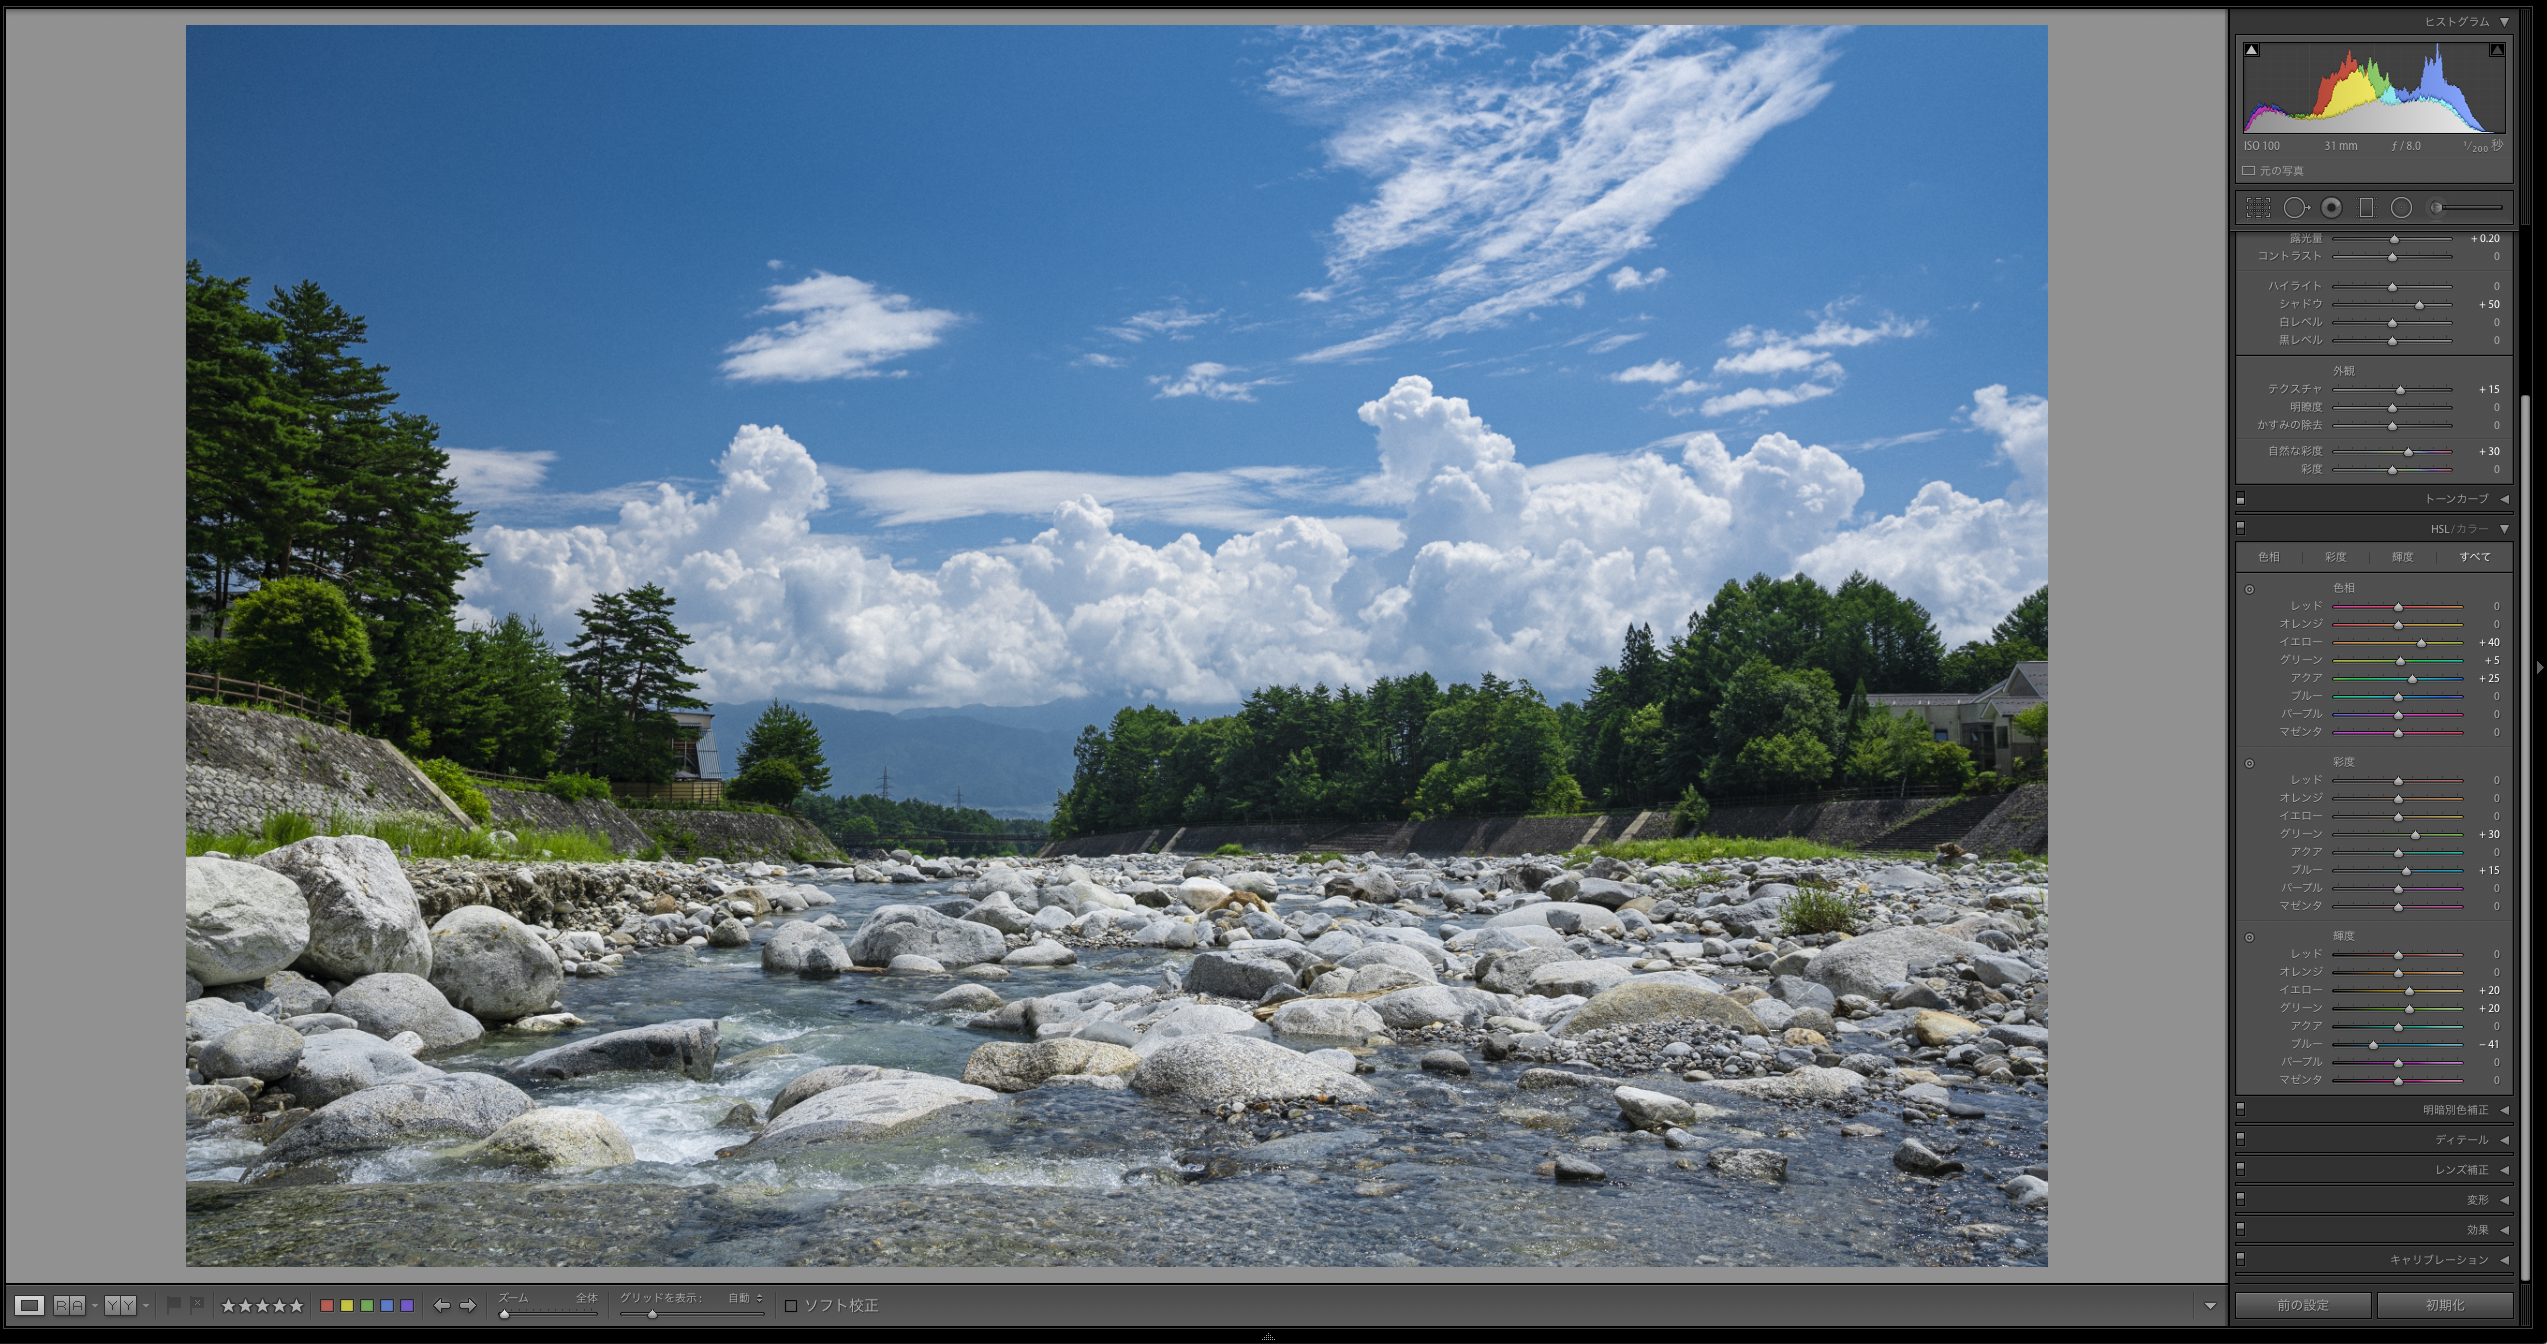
column 1438, row 1170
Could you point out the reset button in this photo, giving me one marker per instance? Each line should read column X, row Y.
column 2431, row 1305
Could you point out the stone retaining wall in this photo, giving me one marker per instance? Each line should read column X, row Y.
column 737, row 837
column 2020, row 823
column 518, row 809
column 243, row 765
column 2023, row 823
column 1457, row 835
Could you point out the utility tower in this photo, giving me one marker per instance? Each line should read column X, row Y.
column 884, row 785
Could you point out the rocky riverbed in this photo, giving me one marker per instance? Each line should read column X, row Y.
column 1152, row 1060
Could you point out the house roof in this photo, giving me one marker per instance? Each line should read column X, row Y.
column 2024, row 685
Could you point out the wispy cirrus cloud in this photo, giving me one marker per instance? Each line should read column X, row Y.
column 1171, row 323
column 514, row 484
column 842, row 327
column 1507, row 190
column 1660, row 371
column 1209, row 380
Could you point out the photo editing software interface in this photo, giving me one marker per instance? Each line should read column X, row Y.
column 1702, row 980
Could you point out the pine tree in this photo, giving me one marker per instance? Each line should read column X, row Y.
column 626, row 674
column 249, row 494
column 785, row 734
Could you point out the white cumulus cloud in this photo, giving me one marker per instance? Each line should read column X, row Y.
column 1627, row 277
column 1482, row 563
column 2023, row 426
column 843, row 328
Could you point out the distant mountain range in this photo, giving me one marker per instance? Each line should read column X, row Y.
column 1011, row 761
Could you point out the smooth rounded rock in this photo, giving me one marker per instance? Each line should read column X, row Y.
column 1214, row 1069
column 800, row 947
column 812, row 1084
column 560, row 1137
column 967, row 999
column 1646, row 999
column 1752, row 1164
column 456, row 1105
column 1339, row 1019
column 389, row 1002
column 1864, row 965
column 1008, row 1066
column 688, row 1046
column 898, row 930
column 243, row 922
column 265, row 1051
column 865, row 1111
column 491, row 966
column 345, row 1061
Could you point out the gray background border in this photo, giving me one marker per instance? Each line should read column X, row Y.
column 96, row 209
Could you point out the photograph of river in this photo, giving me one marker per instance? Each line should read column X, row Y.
column 1117, row 647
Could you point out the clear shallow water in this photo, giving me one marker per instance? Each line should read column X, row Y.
column 1436, row 1170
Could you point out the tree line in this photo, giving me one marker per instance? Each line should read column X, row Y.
column 1746, row 700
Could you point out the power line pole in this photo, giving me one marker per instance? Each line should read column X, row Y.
column 959, row 797
column 884, row 785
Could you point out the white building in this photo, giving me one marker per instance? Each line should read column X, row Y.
column 1978, row 722
column 699, row 758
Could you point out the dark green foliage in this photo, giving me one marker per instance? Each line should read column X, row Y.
column 1689, row 815
column 2034, row 722
column 298, row 466
column 773, row 780
column 299, row 634
column 577, row 788
column 206, row 655
column 783, row 734
column 492, row 699
column 1978, row 667
column 1229, row 851
column 626, row 674
column 860, row 821
column 2030, row 622
column 456, row 784
column 1817, row 910
column 1405, row 746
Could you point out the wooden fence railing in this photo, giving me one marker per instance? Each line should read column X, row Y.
column 673, row 791
column 217, row 687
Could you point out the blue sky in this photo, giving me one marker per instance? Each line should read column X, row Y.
column 910, row 357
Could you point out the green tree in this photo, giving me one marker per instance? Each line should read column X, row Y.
column 782, row 733
column 299, row 634
column 1978, row 667
column 491, row 699
column 392, row 534
column 249, row 494
column 2035, row 722
column 1496, row 748
column 1891, row 749
column 626, row 675
column 1785, row 763
column 2030, row 622
column 773, row 780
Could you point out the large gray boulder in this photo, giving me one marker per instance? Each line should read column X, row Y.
column 1507, row 938
column 490, row 965
column 343, row 1062
column 1197, row 1019
column 212, row 1018
column 1605, row 893
column 265, row 1051
column 861, row 1112
column 391, row 1002
column 451, row 1106
column 912, row 930
column 1010, row 1066
column 1586, row 918
column 1340, row 1019
column 1209, row 1070
column 804, row 948
column 1237, row 975
column 559, row 1138
column 688, row 1046
column 1509, row 972
column 243, row 922
column 1865, row 965
column 1587, row 978
column 1404, row 958
column 805, row 1086
column 999, row 911
column 363, row 915
column 1424, row 1005
column 1647, row 999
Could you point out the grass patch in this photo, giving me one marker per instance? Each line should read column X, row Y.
column 1323, row 856
column 1709, row 848
column 414, row 834
column 1229, row 851
column 1817, row 909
